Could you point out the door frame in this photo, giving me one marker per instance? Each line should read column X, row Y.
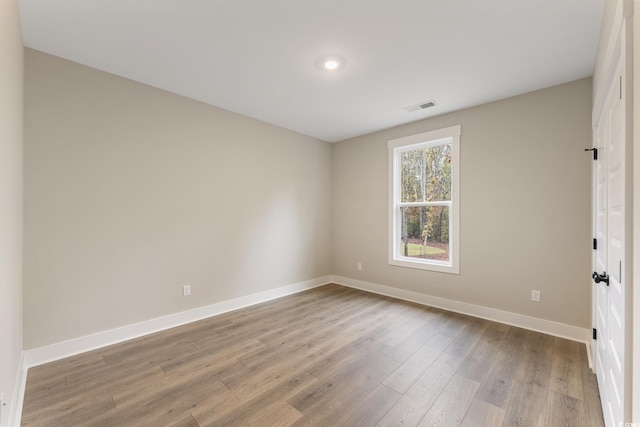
column 615, row 45
column 634, row 97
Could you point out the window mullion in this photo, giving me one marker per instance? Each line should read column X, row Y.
column 420, row 204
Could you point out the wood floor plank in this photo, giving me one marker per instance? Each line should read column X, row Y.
column 115, row 418
column 162, row 404
column 316, row 322
column 294, row 320
column 64, row 367
column 404, row 322
column 496, row 386
column 198, row 383
column 528, row 400
column 370, row 409
column 330, row 356
column 234, row 407
column 103, row 387
column 415, row 403
column 347, row 374
column 483, row 414
column 280, row 414
column 341, row 393
column 409, row 345
column 566, row 372
column 454, row 323
column 358, row 351
column 403, row 377
column 208, row 358
column 184, row 420
column 564, row 411
column 592, row 406
column 340, row 330
column 482, row 356
column 38, row 391
column 317, row 360
column 468, row 337
column 452, row 404
column 74, row 411
column 140, row 348
column 109, row 373
column 290, row 308
column 311, row 297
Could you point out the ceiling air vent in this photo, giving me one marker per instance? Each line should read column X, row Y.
column 421, row 106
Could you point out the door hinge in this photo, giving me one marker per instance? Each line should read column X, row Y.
column 595, row 152
column 595, row 244
column 595, row 334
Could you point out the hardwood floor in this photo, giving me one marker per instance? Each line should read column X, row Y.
column 331, row 356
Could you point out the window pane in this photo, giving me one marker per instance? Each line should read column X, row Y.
column 426, row 174
column 412, row 174
column 437, row 173
column 425, row 232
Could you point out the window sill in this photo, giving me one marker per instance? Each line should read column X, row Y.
column 440, row 267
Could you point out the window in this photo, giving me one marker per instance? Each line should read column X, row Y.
column 423, row 200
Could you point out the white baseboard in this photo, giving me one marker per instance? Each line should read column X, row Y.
column 49, row 353
column 549, row 327
column 590, row 356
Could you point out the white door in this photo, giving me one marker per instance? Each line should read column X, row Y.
column 610, row 293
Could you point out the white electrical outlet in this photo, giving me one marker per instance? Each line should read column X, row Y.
column 359, row 266
column 186, row 290
column 535, row 295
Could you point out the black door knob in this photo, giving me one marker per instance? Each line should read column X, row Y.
column 604, row 277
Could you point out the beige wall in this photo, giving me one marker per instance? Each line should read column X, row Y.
column 11, row 79
column 132, row 192
column 525, row 206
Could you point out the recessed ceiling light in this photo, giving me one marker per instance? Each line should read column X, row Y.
column 330, row 62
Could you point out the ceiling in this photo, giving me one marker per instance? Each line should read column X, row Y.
column 258, row 57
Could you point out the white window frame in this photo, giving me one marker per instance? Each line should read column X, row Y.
column 398, row 146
